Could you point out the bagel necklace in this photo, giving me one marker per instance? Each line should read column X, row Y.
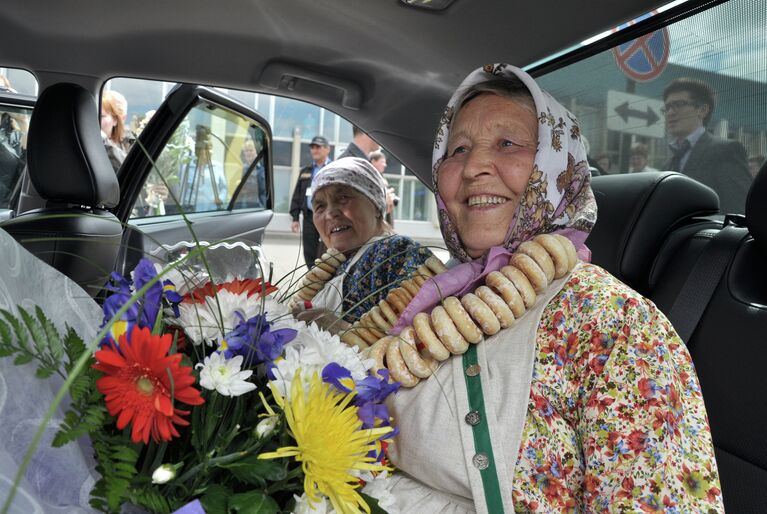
column 455, row 323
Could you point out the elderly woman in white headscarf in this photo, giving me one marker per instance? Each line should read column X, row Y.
column 349, row 204
column 587, row 402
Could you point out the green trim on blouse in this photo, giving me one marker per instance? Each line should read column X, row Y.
column 483, row 459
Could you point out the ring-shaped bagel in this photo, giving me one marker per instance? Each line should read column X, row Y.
column 445, row 329
column 532, row 271
column 422, row 326
column 418, row 366
column 481, row 313
column 388, row 312
column 397, row 366
column 379, row 320
column 541, row 257
column 435, row 265
column 523, row 285
column 377, row 352
column 396, row 303
column 462, row 320
column 410, row 287
column 572, row 255
column 499, row 307
column 353, row 339
column 501, row 283
column 556, row 252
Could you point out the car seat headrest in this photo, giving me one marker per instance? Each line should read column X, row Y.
column 66, row 158
column 756, row 208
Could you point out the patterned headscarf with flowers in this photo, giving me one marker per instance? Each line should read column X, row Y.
column 557, row 199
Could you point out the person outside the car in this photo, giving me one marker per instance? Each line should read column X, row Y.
column 378, row 159
column 360, row 146
column 301, row 203
column 717, row 163
column 113, row 111
column 638, row 158
column 588, row 401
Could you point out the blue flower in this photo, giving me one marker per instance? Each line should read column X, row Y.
column 339, row 377
column 372, row 389
column 142, row 313
column 256, row 341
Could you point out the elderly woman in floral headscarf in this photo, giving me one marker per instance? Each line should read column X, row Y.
column 587, row 403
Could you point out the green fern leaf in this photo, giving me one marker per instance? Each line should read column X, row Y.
column 18, row 329
column 6, row 339
column 35, row 331
column 55, row 344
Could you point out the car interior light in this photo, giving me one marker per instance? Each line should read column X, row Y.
column 432, row 5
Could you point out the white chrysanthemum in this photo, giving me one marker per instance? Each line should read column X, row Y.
column 380, row 489
column 311, row 351
column 211, row 320
column 279, row 316
column 184, row 279
column 303, row 506
column 223, row 375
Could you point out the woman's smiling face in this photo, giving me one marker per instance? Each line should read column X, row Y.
column 345, row 218
column 490, row 156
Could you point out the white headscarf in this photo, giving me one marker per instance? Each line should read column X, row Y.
column 356, row 173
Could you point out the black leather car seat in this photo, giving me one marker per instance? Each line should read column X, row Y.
column 729, row 349
column 637, row 213
column 68, row 166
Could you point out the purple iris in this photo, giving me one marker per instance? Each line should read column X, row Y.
column 371, row 392
column 145, row 310
column 255, row 340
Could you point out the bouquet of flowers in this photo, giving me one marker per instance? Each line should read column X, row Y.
column 207, row 394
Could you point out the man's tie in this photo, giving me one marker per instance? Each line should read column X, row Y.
column 676, row 159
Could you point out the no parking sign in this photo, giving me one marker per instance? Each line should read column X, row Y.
column 645, row 57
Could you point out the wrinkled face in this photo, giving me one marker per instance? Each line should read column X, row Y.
column 490, row 156
column 683, row 116
column 319, row 153
column 637, row 162
column 344, row 217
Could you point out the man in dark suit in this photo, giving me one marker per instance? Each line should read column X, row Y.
column 718, row 163
column 361, row 145
column 301, row 202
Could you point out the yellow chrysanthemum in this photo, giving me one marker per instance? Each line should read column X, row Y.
column 329, row 442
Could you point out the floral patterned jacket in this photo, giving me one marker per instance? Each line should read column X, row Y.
column 616, row 420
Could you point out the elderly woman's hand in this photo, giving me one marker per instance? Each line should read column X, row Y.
column 325, row 319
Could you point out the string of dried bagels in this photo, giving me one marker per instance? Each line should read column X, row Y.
column 456, row 323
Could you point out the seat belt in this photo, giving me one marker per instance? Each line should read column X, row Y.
column 705, row 276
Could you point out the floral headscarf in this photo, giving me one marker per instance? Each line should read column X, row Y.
column 558, row 197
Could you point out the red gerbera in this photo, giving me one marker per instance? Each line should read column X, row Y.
column 137, row 385
column 236, row 286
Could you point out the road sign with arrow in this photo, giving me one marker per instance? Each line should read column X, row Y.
column 634, row 114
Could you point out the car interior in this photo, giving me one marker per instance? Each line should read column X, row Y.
column 390, row 67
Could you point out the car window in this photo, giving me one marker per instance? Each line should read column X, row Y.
column 294, row 124
column 17, row 89
column 632, row 126
column 203, row 164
